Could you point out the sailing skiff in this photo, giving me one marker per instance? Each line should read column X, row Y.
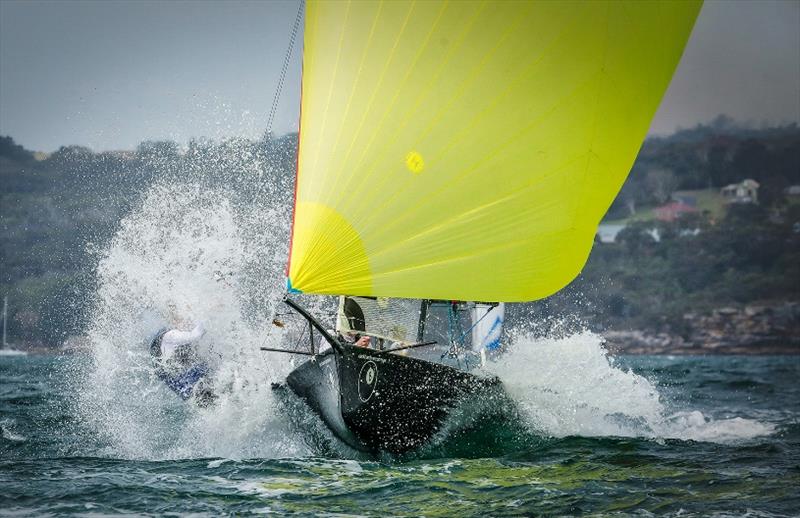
column 457, row 150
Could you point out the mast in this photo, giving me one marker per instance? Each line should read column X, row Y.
column 5, row 321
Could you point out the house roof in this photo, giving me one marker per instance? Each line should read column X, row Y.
column 749, row 183
column 671, row 211
column 676, row 206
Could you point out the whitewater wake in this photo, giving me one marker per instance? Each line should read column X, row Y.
column 569, row 386
column 220, row 261
column 187, row 248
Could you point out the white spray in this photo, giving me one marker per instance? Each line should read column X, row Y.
column 220, row 262
column 186, row 248
column 570, row 386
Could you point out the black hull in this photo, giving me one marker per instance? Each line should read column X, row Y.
column 376, row 401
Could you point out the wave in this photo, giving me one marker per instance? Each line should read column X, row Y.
column 188, row 247
column 570, row 386
column 8, row 432
column 219, row 259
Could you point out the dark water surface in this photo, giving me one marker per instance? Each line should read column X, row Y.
column 733, row 449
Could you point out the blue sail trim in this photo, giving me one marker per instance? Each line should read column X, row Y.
column 289, row 287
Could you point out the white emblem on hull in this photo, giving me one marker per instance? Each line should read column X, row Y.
column 367, row 380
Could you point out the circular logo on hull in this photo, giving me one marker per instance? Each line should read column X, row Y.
column 367, row 380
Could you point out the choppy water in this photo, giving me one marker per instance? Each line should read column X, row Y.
column 98, row 433
column 725, row 440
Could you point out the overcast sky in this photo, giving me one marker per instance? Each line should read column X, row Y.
column 110, row 74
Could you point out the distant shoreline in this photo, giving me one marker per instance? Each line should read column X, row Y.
column 612, row 349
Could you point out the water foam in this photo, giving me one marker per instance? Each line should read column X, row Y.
column 570, row 386
column 219, row 256
column 7, row 431
column 188, row 247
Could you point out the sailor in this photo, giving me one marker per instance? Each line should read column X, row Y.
column 179, row 364
column 354, row 317
column 364, row 341
column 357, row 339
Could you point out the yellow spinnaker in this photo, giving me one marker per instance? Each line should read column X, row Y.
column 468, row 150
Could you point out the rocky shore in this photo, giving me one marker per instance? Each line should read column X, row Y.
column 768, row 328
column 758, row 328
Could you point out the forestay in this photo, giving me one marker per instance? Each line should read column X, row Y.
column 468, row 150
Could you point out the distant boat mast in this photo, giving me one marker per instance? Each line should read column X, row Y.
column 5, row 321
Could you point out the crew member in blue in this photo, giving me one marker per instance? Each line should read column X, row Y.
column 179, row 364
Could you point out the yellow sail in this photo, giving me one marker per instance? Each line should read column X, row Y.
column 468, row 150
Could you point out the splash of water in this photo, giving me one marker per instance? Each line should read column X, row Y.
column 219, row 259
column 570, row 386
column 7, row 430
column 187, row 247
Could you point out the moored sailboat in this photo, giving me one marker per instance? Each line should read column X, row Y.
column 6, row 349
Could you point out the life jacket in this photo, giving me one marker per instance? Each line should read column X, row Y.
column 183, row 384
column 183, row 381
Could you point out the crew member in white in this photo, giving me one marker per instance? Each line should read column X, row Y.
column 179, row 364
column 173, row 339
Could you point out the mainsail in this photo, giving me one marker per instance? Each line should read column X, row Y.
column 468, row 150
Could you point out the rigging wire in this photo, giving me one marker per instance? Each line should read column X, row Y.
column 453, row 322
column 468, row 331
column 285, row 67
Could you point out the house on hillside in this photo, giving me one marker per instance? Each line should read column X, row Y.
column 607, row 233
column 672, row 211
column 744, row 192
column 685, row 199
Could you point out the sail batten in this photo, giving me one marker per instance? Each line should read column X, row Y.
column 468, row 150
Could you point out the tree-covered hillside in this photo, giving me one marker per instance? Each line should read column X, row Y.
column 710, row 157
column 56, row 212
